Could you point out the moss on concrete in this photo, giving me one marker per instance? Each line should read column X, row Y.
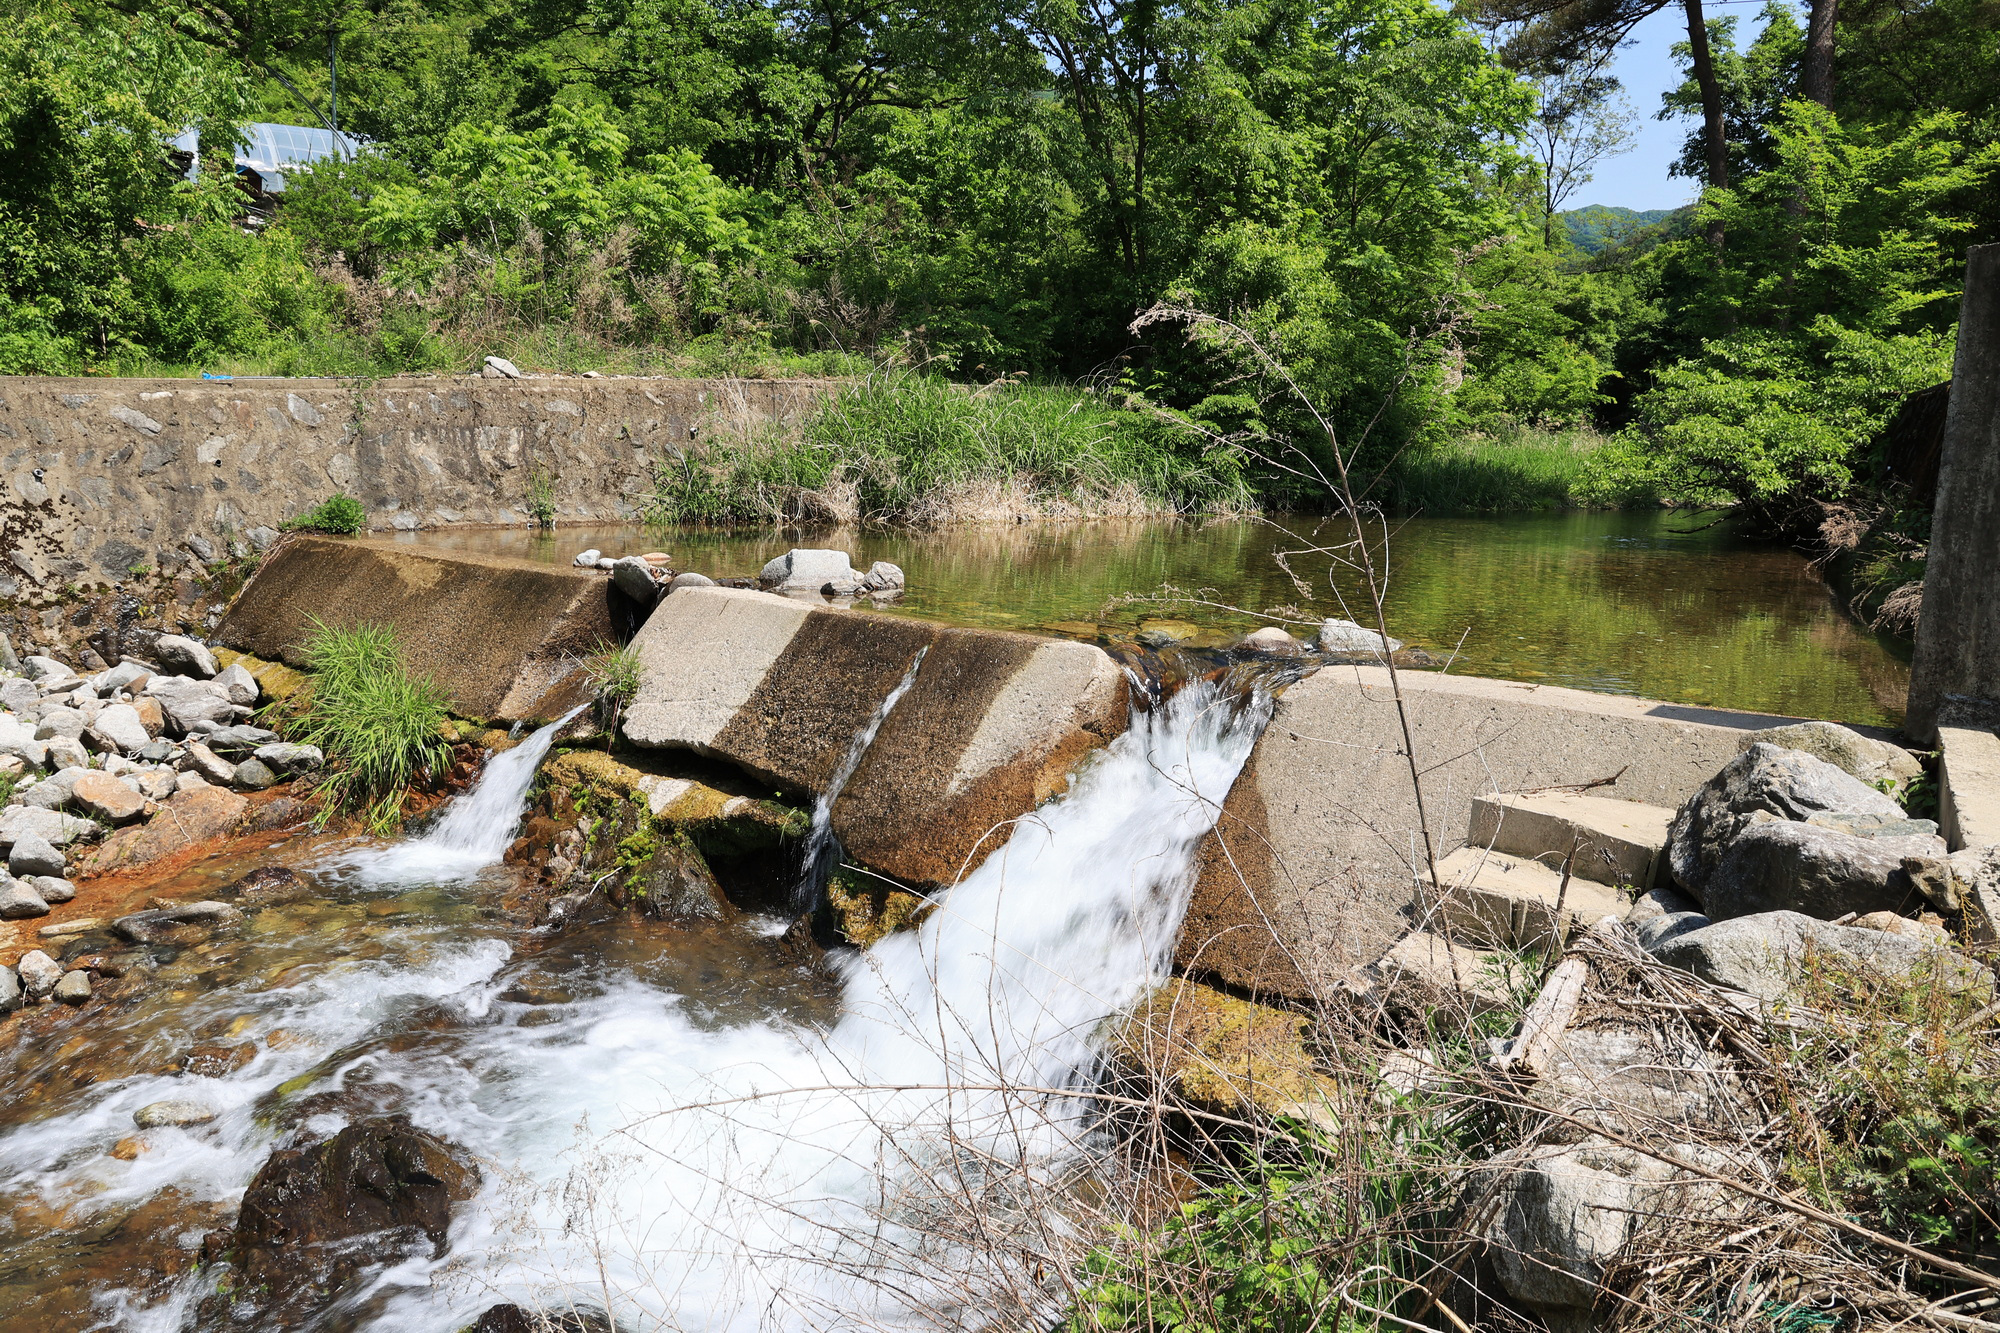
column 280, row 683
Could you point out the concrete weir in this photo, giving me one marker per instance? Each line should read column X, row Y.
column 1316, row 857
column 505, row 638
column 991, row 726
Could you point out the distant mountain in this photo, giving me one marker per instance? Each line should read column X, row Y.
column 1598, row 227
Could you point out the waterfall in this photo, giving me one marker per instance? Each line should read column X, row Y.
column 898, row 1165
column 822, row 849
column 476, row 827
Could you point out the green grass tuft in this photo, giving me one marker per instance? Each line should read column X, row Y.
column 1516, row 473
column 909, row 448
column 340, row 514
column 380, row 725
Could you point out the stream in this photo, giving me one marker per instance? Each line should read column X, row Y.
column 698, row 1127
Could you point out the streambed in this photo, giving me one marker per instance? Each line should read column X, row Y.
column 1627, row 603
column 701, row 1127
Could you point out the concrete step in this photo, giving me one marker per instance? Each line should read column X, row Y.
column 1614, row 842
column 1491, row 900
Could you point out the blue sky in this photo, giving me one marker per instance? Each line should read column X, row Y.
column 1638, row 179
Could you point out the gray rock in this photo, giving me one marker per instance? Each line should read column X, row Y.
column 240, row 740
column 1562, row 1213
column 53, row 792
column 501, row 368
column 18, row 693
column 17, row 738
column 34, row 855
column 39, row 974
column 1659, row 902
column 255, row 775
column 177, row 1113
column 47, row 673
column 61, row 724
column 1766, row 956
column 634, row 578
column 605, row 562
column 112, row 679
column 64, row 752
column 238, row 684
column 73, row 988
column 158, row 752
column 804, row 569
column 1871, row 761
column 188, row 701
column 1344, row 636
column 11, row 997
column 884, row 577
column 1272, row 639
column 159, row 925
column 185, row 657
column 20, row 902
column 588, row 559
column 209, row 765
column 1656, row 931
column 119, row 726
column 690, row 580
column 8, row 661
column 842, row 588
column 19, row 821
column 53, row 888
column 1777, row 865
column 1158, row 638
column 288, row 760
column 1762, row 782
column 1876, row 826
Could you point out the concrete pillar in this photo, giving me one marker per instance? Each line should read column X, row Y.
column 1958, row 637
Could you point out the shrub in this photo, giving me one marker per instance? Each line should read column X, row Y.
column 340, row 514
column 380, row 726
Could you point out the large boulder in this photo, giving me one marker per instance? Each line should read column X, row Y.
column 321, row 1215
column 1559, row 1214
column 634, row 577
column 1763, row 782
column 186, row 818
column 51, row 826
column 1866, row 758
column 33, row 855
column 1769, row 955
column 1777, row 865
column 19, row 901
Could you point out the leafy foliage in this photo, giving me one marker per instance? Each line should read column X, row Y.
column 340, row 514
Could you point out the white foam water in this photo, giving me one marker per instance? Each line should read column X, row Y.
column 765, row 1176
column 475, row 828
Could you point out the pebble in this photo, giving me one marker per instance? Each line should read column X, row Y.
column 175, row 1113
column 73, row 988
column 588, row 559
column 18, row 902
column 129, row 1147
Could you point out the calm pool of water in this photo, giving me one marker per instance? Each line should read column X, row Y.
column 1625, row 603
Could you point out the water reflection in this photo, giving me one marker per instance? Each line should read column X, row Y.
column 1644, row 603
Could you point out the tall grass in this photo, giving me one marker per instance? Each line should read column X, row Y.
column 379, row 724
column 1521, row 472
column 908, row 448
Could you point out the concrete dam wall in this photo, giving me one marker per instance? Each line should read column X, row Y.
column 99, row 476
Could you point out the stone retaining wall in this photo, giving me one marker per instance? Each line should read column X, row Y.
column 99, row 477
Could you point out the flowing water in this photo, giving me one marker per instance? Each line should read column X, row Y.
column 1652, row 604
column 822, row 854
column 695, row 1126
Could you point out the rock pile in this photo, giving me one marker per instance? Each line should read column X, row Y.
column 85, row 755
column 798, row 572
